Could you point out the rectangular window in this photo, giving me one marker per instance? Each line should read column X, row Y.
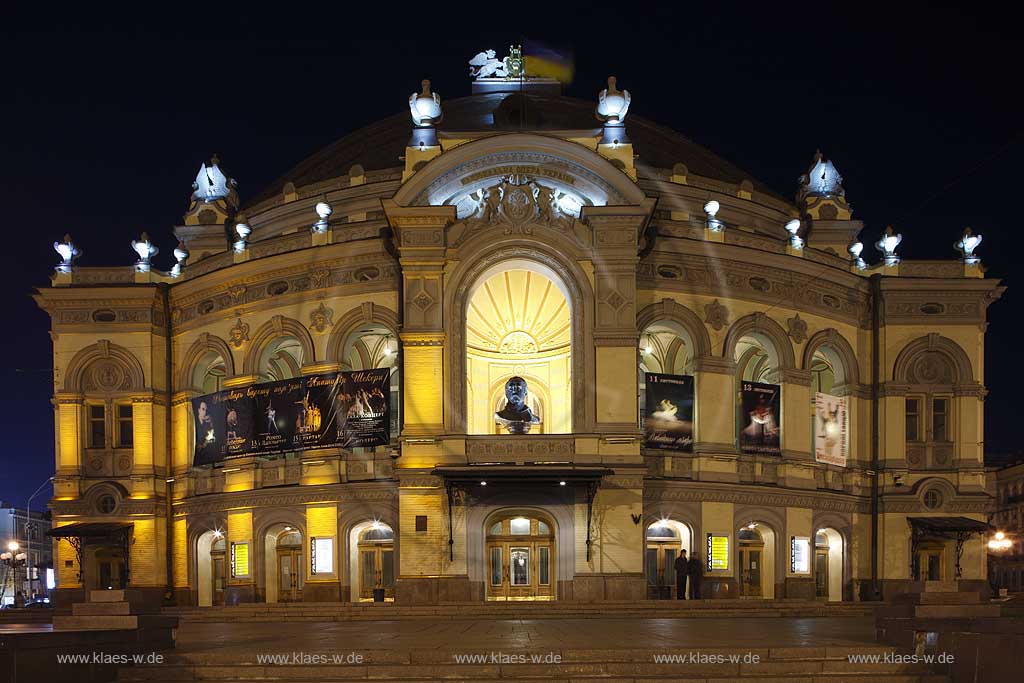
column 545, row 565
column 97, row 427
column 125, row 437
column 496, row 568
column 913, row 419
column 940, row 419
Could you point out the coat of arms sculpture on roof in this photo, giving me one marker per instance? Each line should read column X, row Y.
column 487, row 65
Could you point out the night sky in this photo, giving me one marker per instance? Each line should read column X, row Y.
column 107, row 118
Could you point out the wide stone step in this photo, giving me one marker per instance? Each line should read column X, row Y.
column 964, row 598
column 802, row 665
column 74, row 623
column 108, row 596
column 85, row 609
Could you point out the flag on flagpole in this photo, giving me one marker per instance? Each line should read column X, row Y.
column 545, row 61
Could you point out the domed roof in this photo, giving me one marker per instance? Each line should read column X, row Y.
column 379, row 145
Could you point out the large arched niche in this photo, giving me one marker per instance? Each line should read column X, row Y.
column 491, row 257
column 933, row 359
column 104, row 366
column 552, row 161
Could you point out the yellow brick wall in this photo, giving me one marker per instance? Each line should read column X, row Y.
column 69, row 435
column 148, row 553
column 142, row 426
column 180, row 559
column 422, row 552
column 423, row 381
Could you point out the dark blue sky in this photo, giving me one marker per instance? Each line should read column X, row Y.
column 106, row 119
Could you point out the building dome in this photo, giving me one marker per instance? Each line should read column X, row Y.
column 380, row 145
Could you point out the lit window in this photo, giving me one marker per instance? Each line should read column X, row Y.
column 125, row 436
column 519, row 526
column 97, row 427
column 913, row 419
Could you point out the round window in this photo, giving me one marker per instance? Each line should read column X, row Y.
column 932, row 499
column 106, row 504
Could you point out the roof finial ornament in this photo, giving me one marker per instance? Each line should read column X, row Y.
column 854, row 250
column 966, row 246
column 68, row 253
column 612, row 104
column 242, row 231
column 425, row 106
column 887, row 245
column 211, row 184
column 323, row 212
column 181, row 255
column 793, row 228
column 146, row 251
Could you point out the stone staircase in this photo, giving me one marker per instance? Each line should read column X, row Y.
column 773, row 665
column 907, row 620
column 122, row 610
column 334, row 611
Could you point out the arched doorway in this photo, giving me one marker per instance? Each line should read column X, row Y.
column 828, row 565
column 284, row 563
column 211, row 568
column 111, row 568
column 664, row 542
column 372, row 560
column 520, row 556
column 756, row 561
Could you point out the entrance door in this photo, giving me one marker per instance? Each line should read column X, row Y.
column 376, row 550
column 929, row 562
column 750, row 569
column 520, row 560
column 217, row 574
column 290, row 566
column 821, row 572
column 110, row 569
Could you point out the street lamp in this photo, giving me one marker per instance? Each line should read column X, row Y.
column 28, row 532
column 1000, row 544
column 11, row 560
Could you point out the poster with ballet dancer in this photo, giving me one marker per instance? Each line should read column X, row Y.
column 346, row 409
column 759, row 418
column 668, row 414
column 830, row 429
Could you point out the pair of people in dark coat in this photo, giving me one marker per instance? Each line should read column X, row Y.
column 688, row 569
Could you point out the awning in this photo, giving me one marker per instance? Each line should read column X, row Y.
column 520, row 474
column 89, row 529
column 946, row 525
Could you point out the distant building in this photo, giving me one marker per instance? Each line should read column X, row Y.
column 28, row 530
column 1006, row 569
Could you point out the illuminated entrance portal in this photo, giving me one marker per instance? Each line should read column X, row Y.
column 520, row 559
column 518, row 323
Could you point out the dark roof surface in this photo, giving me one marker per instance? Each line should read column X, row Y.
column 379, row 145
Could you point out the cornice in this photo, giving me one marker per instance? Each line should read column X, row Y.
column 287, row 496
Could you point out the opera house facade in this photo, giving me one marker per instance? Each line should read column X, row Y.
column 518, row 346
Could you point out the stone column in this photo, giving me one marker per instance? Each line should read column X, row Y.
column 182, row 432
column 797, row 469
column 617, row 236
column 420, row 240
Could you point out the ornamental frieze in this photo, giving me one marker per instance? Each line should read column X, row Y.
column 755, row 282
column 685, row 492
column 520, row 448
column 275, row 498
column 296, row 281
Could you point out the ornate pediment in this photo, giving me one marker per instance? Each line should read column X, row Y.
column 517, row 203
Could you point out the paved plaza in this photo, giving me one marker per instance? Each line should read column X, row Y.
column 235, row 640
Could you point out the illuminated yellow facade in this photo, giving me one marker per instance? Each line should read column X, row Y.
column 522, row 238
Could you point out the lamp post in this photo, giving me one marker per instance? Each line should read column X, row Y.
column 11, row 560
column 999, row 544
column 28, row 532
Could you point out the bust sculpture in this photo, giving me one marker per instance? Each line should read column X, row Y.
column 516, row 416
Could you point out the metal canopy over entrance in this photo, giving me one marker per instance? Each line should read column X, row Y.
column 472, row 477
column 80, row 533
column 958, row 529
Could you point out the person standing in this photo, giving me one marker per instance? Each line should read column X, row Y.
column 682, row 570
column 696, row 573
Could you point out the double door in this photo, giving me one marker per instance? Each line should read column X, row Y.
column 376, row 570
column 520, row 570
column 289, row 574
column 660, row 559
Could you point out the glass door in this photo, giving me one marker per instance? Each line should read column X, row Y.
column 289, row 575
column 821, row 573
column 750, row 571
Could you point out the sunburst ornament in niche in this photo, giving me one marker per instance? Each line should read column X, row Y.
column 239, row 334
column 321, row 318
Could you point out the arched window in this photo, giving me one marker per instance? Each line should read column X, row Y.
column 664, row 348
column 375, row 346
column 281, row 359
column 759, row 403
